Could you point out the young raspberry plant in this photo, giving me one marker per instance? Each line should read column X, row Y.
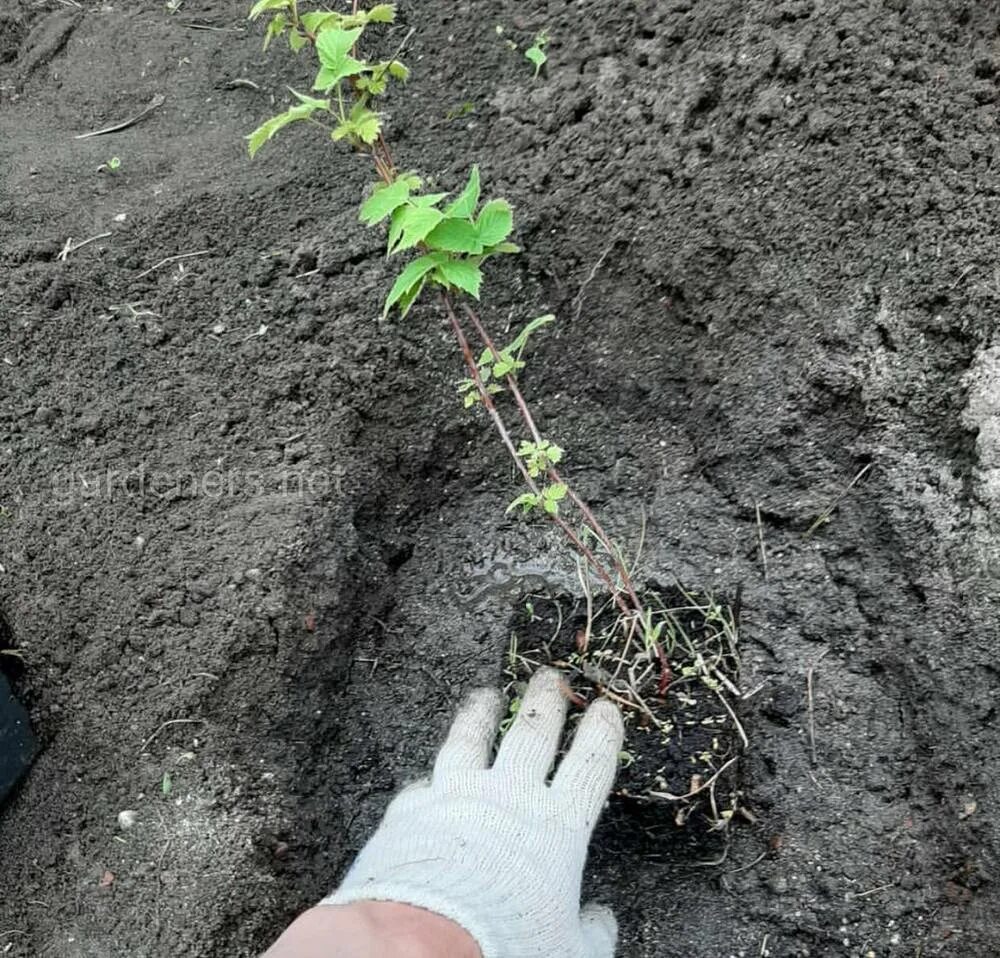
column 451, row 240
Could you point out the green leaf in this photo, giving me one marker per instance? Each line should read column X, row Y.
column 410, row 296
column 333, row 47
column 527, row 501
column 456, row 236
column 462, row 274
column 384, row 201
column 395, row 228
column 463, row 109
column 320, row 20
column 296, row 41
column 367, row 124
column 495, row 222
column 382, row 13
column 468, row 199
column 522, row 337
column 274, row 29
column 552, row 496
column 268, row 128
column 310, row 101
column 415, row 224
column 537, row 56
column 428, row 199
column 506, row 364
column 536, row 52
column 373, row 85
column 262, row 6
column 399, row 71
column 499, row 248
column 410, row 277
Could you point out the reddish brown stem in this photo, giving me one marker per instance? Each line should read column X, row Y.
column 554, row 475
column 501, row 428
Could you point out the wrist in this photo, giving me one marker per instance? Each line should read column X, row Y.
column 373, row 929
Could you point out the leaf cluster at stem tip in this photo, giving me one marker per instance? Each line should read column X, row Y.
column 547, row 499
column 335, row 37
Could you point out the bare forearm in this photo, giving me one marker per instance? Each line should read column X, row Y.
column 372, row 929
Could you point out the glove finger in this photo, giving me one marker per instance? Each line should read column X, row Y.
column 599, row 931
column 589, row 768
column 531, row 743
column 472, row 734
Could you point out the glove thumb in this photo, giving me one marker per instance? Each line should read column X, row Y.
column 599, row 931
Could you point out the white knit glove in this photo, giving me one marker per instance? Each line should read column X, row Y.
column 498, row 850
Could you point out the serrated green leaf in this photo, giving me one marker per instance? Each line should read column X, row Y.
column 366, row 123
column 410, row 277
column 506, row 364
column 384, row 201
column 495, row 222
column 468, row 199
column 296, row 41
column 274, row 29
column 455, row 236
column 462, row 274
column 399, row 71
column 416, row 223
column 373, row 85
column 262, row 6
column 320, row 20
column 382, row 13
column 333, row 47
column 471, row 399
column 268, row 128
column 556, row 492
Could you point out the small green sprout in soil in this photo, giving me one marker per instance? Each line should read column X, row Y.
column 110, row 166
column 452, row 241
column 682, row 740
column 536, row 52
column 463, row 109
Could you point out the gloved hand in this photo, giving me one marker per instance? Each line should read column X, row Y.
column 496, row 849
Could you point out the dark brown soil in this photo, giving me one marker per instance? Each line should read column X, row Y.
column 250, row 526
column 680, row 759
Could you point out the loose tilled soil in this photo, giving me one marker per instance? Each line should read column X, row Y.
column 254, row 551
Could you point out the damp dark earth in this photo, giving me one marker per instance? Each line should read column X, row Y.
column 253, row 551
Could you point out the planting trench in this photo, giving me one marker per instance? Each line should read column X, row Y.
column 768, row 231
